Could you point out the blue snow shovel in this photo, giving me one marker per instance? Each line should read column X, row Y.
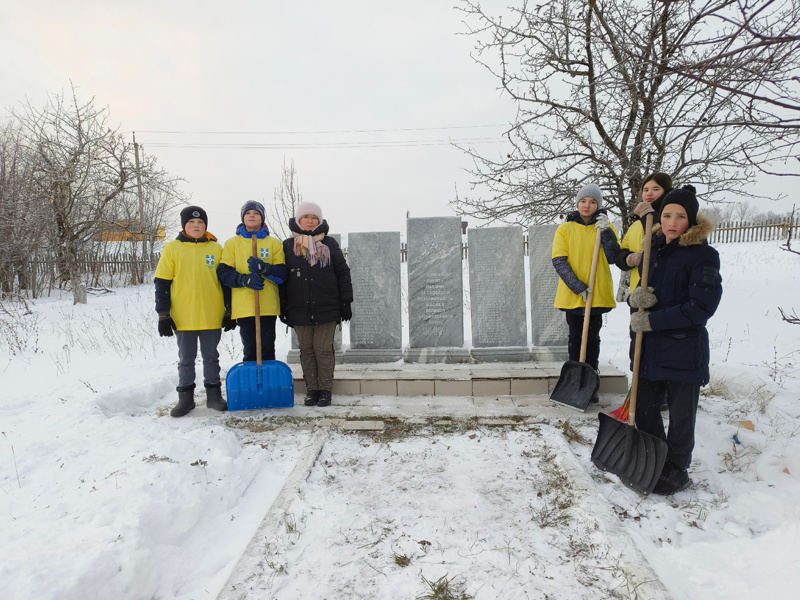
column 252, row 385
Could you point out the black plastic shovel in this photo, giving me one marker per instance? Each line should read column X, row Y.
column 636, row 457
column 578, row 381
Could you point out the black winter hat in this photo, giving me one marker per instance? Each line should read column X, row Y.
column 686, row 198
column 193, row 212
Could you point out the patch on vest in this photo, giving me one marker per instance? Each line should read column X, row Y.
column 264, row 252
column 209, row 260
column 711, row 276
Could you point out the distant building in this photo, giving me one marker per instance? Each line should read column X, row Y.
column 127, row 230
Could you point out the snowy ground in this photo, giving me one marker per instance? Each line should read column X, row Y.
column 103, row 495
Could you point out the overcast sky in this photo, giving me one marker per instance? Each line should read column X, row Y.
column 372, row 92
column 305, row 67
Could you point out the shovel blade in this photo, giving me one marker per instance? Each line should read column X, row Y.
column 636, row 457
column 252, row 386
column 576, row 385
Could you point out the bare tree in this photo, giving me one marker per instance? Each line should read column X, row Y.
column 601, row 98
column 161, row 194
column 80, row 166
column 758, row 44
column 21, row 213
column 744, row 211
column 285, row 199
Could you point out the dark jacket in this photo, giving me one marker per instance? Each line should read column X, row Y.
column 314, row 295
column 684, row 275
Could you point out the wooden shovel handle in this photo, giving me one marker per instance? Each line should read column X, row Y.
column 637, row 346
column 258, row 308
column 587, row 311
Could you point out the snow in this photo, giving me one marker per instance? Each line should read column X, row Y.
column 103, row 495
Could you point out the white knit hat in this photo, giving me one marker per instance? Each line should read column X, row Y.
column 591, row 190
column 308, row 208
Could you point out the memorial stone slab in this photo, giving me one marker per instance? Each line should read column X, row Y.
column 549, row 335
column 376, row 330
column 497, row 294
column 435, row 292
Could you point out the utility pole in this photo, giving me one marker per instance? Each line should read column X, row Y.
column 141, row 207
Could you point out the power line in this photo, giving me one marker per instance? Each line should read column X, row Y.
column 331, row 145
column 331, row 131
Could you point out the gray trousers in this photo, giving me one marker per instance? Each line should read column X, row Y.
column 187, row 355
column 316, row 355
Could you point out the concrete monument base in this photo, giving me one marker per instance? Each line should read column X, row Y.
column 496, row 355
column 447, row 356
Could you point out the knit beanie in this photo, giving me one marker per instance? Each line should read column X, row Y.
column 193, row 212
column 253, row 205
column 308, row 208
column 686, row 198
column 591, row 190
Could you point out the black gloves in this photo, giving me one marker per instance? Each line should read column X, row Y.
column 227, row 323
column 284, row 319
column 259, row 266
column 251, row 280
column 165, row 325
column 347, row 311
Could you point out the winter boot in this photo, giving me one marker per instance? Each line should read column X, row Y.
column 673, row 479
column 324, row 398
column 312, row 397
column 185, row 400
column 214, row 397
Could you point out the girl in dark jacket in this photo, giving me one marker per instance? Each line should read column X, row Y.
column 684, row 292
column 316, row 296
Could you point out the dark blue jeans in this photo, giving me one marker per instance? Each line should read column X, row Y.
column 247, row 329
column 682, row 400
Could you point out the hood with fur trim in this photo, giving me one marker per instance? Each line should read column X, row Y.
column 696, row 234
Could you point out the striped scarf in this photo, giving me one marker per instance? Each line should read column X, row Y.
column 312, row 248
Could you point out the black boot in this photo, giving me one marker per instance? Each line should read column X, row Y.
column 673, row 479
column 324, row 398
column 312, row 396
column 185, row 400
column 214, row 397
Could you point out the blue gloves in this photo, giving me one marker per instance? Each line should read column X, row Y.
column 259, row 266
column 251, row 280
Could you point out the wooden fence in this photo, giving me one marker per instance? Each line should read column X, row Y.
column 743, row 231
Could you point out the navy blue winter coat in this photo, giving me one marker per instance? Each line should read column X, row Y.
column 314, row 295
column 686, row 281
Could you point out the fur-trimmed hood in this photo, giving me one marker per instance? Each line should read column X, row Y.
column 696, row 234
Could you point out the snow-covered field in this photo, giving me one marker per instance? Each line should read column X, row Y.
column 103, row 495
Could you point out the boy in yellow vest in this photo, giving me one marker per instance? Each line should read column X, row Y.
column 191, row 302
column 247, row 275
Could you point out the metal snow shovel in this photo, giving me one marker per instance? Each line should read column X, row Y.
column 579, row 381
column 636, row 457
column 252, row 385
